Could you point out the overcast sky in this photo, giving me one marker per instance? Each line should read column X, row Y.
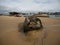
column 29, row 5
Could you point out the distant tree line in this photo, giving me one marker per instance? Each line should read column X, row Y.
column 14, row 14
column 17, row 13
column 55, row 13
column 51, row 13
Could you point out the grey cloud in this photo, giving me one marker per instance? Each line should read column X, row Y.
column 4, row 9
column 46, row 1
column 36, row 5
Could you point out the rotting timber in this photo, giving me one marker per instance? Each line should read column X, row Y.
column 32, row 23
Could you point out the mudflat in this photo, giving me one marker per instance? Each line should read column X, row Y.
column 10, row 35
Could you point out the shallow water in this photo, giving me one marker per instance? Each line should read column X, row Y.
column 54, row 16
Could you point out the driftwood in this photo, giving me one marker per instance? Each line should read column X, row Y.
column 32, row 23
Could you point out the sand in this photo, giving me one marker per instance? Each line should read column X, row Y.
column 10, row 35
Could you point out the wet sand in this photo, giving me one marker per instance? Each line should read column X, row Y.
column 10, row 35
